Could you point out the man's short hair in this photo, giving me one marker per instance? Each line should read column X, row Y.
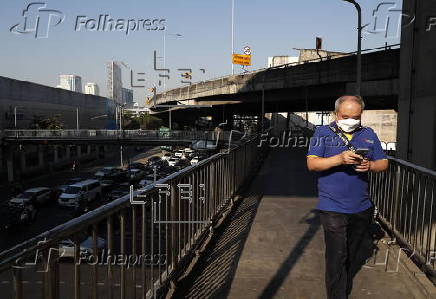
column 358, row 99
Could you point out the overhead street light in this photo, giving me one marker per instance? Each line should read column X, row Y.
column 359, row 46
column 164, row 50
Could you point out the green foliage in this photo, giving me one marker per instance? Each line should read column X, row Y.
column 150, row 122
column 143, row 121
column 49, row 123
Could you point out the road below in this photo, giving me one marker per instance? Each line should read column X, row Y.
column 52, row 215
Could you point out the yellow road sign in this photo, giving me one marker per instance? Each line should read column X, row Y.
column 241, row 59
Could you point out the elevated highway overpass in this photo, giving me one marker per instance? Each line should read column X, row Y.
column 296, row 87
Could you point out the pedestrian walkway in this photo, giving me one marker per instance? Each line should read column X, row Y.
column 272, row 245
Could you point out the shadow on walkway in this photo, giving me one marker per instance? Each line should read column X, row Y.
column 283, row 174
column 272, row 246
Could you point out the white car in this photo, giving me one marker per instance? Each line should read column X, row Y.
column 179, row 154
column 66, row 247
column 166, row 157
column 173, row 161
column 188, row 150
column 40, row 195
column 89, row 190
column 195, row 160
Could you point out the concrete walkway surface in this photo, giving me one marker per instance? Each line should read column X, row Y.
column 272, row 245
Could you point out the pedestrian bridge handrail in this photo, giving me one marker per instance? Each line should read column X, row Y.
column 405, row 196
column 155, row 230
column 111, row 134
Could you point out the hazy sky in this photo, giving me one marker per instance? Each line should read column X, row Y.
column 269, row 27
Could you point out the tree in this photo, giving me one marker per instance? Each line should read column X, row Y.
column 49, row 123
column 150, row 122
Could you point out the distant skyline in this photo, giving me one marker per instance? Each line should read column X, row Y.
column 270, row 28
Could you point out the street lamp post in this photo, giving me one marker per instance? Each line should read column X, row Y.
column 77, row 118
column 120, row 109
column 164, row 63
column 15, row 117
column 359, row 46
column 233, row 34
column 170, row 118
column 164, row 54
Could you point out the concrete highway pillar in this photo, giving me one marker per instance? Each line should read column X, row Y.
column 416, row 129
column 23, row 161
column 40, row 156
column 55, row 154
column 9, row 155
column 67, row 152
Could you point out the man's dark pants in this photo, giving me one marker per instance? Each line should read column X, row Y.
column 348, row 244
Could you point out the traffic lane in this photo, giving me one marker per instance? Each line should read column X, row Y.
column 88, row 171
column 52, row 215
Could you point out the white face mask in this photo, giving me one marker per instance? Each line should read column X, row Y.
column 348, row 125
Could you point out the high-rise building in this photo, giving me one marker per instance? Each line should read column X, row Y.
column 114, row 82
column 127, row 97
column 92, row 88
column 70, row 82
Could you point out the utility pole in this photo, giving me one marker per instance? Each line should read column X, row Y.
column 233, row 34
column 15, row 117
column 77, row 118
column 359, row 46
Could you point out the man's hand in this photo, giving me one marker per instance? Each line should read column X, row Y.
column 348, row 157
column 363, row 166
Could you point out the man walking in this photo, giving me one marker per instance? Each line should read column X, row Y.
column 343, row 153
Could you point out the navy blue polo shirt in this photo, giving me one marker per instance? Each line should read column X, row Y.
column 341, row 188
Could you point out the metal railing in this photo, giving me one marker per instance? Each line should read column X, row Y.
column 137, row 244
column 405, row 196
column 113, row 134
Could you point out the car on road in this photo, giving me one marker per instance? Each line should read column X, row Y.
column 108, row 173
column 166, row 157
column 106, row 185
column 188, row 150
column 149, row 179
column 66, row 247
column 137, row 165
column 88, row 189
column 73, row 181
column 136, row 174
column 13, row 216
column 173, row 161
column 118, row 192
column 180, row 154
column 195, row 160
column 154, row 160
column 37, row 196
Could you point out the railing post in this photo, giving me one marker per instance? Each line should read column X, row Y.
column 18, row 282
column 123, row 254
column 172, row 258
column 94, row 273
column 76, row 268
column 397, row 196
column 109, row 277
